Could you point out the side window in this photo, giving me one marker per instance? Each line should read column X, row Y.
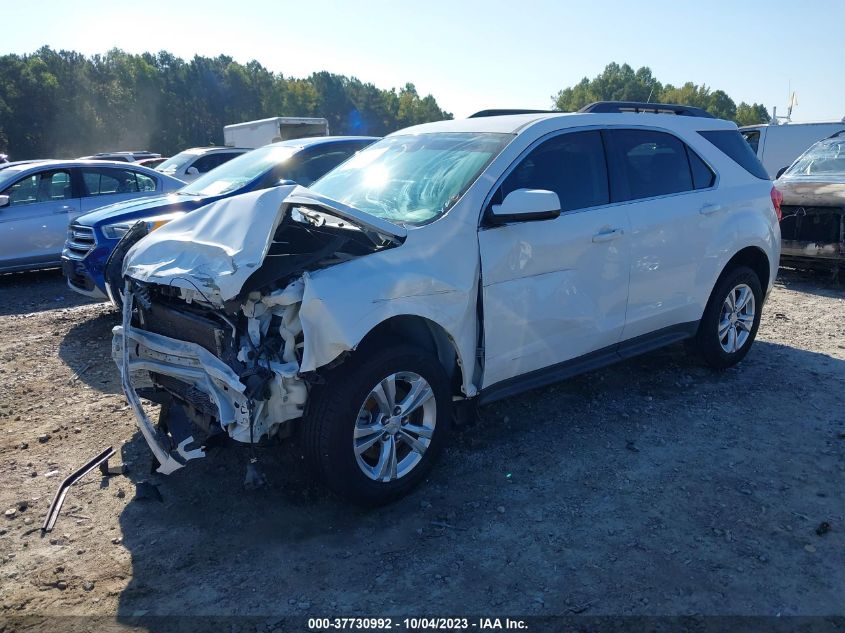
column 752, row 137
column 145, row 183
column 103, row 182
column 702, row 176
column 208, row 162
column 572, row 165
column 314, row 167
column 205, row 163
column 46, row 186
column 647, row 164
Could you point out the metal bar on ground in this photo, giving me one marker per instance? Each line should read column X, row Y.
column 59, row 499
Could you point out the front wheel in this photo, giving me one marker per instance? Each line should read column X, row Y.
column 373, row 430
column 731, row 318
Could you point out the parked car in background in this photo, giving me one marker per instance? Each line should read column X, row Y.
column 38, row 200
column 813, row 224
column 302, row 161
column 128, row 157
column 193, row 163
column 152, row 163
column 4, row 159
column 778, row 145
column 453, row 262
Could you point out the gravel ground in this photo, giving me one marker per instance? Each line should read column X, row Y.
column 651, row 487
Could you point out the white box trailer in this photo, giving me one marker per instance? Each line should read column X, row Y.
column 252, row 134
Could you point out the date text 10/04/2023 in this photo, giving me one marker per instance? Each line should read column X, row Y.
column 415, row 624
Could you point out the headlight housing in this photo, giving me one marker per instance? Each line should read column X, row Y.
column 119, row 229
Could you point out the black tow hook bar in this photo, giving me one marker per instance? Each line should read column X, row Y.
column 61, row 493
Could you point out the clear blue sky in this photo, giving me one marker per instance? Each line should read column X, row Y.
column 472, row 55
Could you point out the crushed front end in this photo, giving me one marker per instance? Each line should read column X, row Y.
column 229, row 374
column 211, row 325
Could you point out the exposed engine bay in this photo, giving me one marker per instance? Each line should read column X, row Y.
column 232, row 364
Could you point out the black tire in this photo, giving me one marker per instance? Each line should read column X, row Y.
column 707, row 342
column 333, row 408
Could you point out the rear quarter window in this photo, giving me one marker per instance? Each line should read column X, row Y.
column 731, row 143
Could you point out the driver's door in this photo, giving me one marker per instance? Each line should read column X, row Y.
column 555, row 290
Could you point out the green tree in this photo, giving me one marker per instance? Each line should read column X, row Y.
column 62, row 104
column 615, row 83
column 623, row 83
column 751, row 114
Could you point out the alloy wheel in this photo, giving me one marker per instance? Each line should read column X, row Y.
column 737, row 318
column 394, row 426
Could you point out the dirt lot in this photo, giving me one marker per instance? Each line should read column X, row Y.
column 652, row 487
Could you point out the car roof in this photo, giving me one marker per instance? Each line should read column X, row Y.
column 518, row 123
column 35, row 165
column 314, row 141
column 214, row 148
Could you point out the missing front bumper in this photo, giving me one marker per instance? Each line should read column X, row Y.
column 138, row 354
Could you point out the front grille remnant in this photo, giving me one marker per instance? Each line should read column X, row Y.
column 80, row 241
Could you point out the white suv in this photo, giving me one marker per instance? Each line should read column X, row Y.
column 451, row 263
column 192, row 163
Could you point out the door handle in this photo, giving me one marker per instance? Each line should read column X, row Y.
column 608, row 235
column 709, row 209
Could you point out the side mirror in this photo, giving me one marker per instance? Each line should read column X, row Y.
column 192, row 171
column 524, row 205
column 780, row 172
column 4, row 201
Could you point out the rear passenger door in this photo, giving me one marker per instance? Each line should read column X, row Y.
column 667, row 190
column 106, row 185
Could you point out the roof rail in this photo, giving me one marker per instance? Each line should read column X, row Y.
column 652, row 108
column 502, row 112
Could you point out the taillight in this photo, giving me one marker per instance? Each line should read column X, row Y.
column 777, row 198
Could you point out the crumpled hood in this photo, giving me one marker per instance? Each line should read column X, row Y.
column 213, row 249
column 797, row 191
column 217, row 248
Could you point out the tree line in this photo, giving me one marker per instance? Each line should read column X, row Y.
column 64, row 104
column 623, row 83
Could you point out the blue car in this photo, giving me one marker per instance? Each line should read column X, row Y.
column 92, row 237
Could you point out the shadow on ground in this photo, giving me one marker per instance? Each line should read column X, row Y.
column 814, row 282
column 86, row 348
column 23, row 293
column 651, row 487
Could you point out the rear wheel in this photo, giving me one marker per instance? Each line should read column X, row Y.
column 373, row 430
column 731, row 318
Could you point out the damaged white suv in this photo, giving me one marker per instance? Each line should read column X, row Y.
column 453, row 262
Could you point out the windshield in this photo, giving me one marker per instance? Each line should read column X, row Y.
column 824, row 158
column 239, row 171
column 412, row 179
column 177, row 162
